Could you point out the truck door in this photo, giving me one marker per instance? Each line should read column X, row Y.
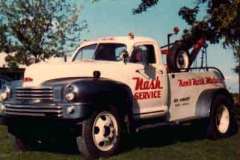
column 148, row 82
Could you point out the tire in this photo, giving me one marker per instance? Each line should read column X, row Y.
column 101, row 135
column 178, row 60
column 222, row 121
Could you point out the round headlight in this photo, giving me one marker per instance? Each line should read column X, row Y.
column 5, row 93
column 70, row 92
column 69, row 96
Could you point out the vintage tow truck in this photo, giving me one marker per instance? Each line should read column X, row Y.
column 112, row 86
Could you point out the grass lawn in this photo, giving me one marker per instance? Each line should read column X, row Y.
column 167, row 143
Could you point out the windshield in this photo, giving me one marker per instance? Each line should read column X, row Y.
column 103, row 51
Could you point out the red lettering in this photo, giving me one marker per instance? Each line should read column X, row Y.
column 213, row 80
column 145, row 85
column 158, row 84
column 150, row 85
column 184, row 83
column 142, row 84
column 139, row 84
column 200, row 81
column 147, row 95
column 158, row 94
column 136, row 95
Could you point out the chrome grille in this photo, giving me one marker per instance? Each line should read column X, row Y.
column 36, row 102
column 34, row 93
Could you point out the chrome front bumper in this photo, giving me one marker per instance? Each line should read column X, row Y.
column 35, row 111
column 61, row 111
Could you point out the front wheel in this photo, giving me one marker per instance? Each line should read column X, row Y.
column 101, row 135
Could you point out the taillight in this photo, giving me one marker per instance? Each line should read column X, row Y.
column 27, row 79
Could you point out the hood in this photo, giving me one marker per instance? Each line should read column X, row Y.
column 43, row 72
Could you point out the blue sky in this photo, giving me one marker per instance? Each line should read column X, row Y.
column 114, row 17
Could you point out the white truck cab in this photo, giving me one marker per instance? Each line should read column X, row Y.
column 114, row 83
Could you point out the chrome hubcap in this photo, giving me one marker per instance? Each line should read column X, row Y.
column 105, row 131
column 223, row 119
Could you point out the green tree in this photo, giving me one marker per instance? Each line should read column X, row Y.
column 38, row 28
column 221, row 22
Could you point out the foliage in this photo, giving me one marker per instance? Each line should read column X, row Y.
column 38, row 29
column 144, row 5
column 3, row 39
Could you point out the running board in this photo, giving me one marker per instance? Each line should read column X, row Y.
column 143, row 124
column 149, row 126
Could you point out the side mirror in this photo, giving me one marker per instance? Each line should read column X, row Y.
column 125, row 56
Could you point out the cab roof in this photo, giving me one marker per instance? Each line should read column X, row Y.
column 117, row 39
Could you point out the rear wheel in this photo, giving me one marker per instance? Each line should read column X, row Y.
column 222, row 122
column 101, row 135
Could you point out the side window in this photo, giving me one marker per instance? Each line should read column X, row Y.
column 143, row 53
column 119, row 52
column 109, row 51
column 86, row 53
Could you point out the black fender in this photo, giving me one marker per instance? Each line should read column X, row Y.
column 205, row 100
column 97, row 92
column 101, row 93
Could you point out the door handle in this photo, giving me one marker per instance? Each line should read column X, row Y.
column 138, row 71
column 142, row 74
